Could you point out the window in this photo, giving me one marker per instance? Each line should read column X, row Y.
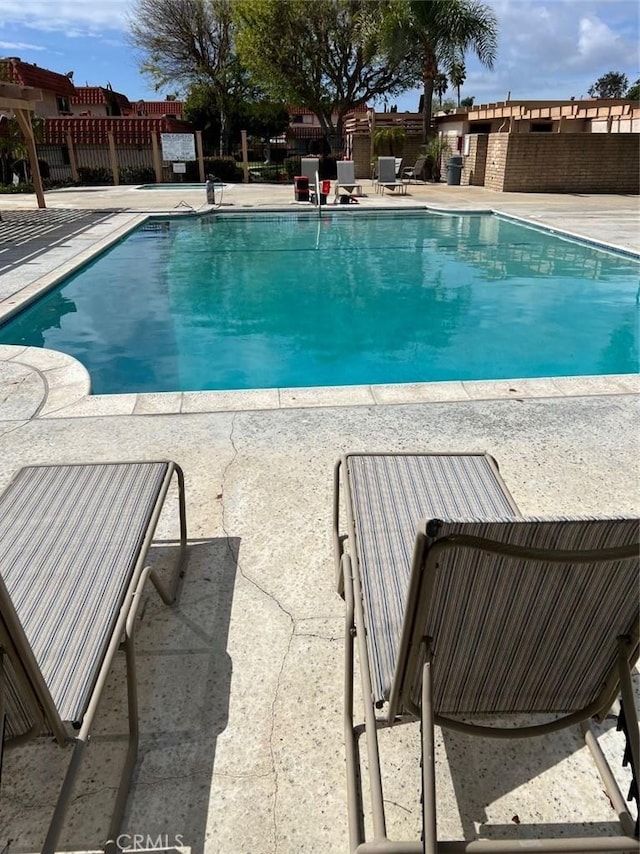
column 62, row 104
column 541, row 127
column 64, row 151
column 297, row 120
column 480, row 127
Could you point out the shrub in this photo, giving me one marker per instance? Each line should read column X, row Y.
column 94, row 177
column 137, row 175
column 223, row 168
column 292, row 167
column 17, row 188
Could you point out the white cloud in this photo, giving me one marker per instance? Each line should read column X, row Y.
column 76, row 16
column 557, row 48
column 596, row 41
column 20, row 46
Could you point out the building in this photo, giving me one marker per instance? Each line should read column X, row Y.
column 94, row 127
column 585, row 146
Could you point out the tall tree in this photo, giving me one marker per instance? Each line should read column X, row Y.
column 319, row 55
column 439, row 33
column 610, row 85
column 457, row 75
column 633, row 93
column 440, row 86
column 258, row 117
column 188, row 42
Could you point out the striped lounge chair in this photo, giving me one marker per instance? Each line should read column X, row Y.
column 73, row 548
column 388, row 168
column 460, row 607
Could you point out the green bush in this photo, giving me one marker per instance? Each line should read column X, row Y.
column 17, row 188
column 138, row 175
column 223, row 168
column 90, row 177
column 292, row 167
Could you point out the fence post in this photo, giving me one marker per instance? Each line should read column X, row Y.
column 73, row 163
column 157, row 163
column 113, row 157
column 200, row 155
column 24, row 120
column 245, row 159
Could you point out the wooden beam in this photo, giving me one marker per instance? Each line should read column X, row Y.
column 157, row 163
column 113, row 158
column 73, row 163
column 200, row 155
column 245, row 159
column 24, row 120
column 16, row 104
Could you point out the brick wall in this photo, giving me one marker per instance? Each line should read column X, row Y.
column 573, row 163
column 474, row 163
column 496, row 162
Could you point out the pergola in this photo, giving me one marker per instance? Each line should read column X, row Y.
column 21, row 101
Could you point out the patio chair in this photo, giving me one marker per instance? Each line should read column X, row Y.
column 73, row 549
column 477, row 618
column 347, row 179
column 412, row 174
column 309, row 167
column 387, row 176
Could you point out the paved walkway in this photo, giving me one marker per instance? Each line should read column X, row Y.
column 241, row 685
column 26, row 234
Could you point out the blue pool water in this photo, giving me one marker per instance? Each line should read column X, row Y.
column 255, row 301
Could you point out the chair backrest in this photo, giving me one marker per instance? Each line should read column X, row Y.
column 521, row 615
column 26, row 705
column 346, row 172
column 386, row 170
column 398, row 164
column 419, row 166
column 309, row 166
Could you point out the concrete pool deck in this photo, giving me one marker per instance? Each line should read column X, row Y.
column 241, row 684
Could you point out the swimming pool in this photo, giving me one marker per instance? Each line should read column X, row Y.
column 178, row 186
column 236, row 301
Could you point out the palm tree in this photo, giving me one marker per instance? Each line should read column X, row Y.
column 457, row 75
column 441, row 32
column 440, row 85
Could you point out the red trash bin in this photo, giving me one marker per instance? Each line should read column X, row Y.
column 301, row 188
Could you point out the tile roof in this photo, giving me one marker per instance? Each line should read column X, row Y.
column 127, row 130
column 304, row 132
column 160, row 108
column 98, row 95
column 26, row 74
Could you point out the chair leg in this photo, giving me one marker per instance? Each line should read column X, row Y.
column 111, row 845
column 169, row 594
column 124, row 626
column 371, row 732
column 354, row 806
column 428, row 763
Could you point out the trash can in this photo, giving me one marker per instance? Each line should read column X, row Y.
column 301, row 188
column 454, row 170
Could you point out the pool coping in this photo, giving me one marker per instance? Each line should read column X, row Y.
column 60, row 386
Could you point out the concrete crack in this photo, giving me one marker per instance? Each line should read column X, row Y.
column 288, row 614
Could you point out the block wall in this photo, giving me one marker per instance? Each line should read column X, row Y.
column 573, row 163
column 474, row 164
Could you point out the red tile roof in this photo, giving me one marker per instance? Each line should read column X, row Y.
column 127, row 130
column 98, row 95
column 160, row 108
column 304, row 132
column 25, row 74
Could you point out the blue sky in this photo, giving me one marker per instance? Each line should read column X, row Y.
column 548, row 49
